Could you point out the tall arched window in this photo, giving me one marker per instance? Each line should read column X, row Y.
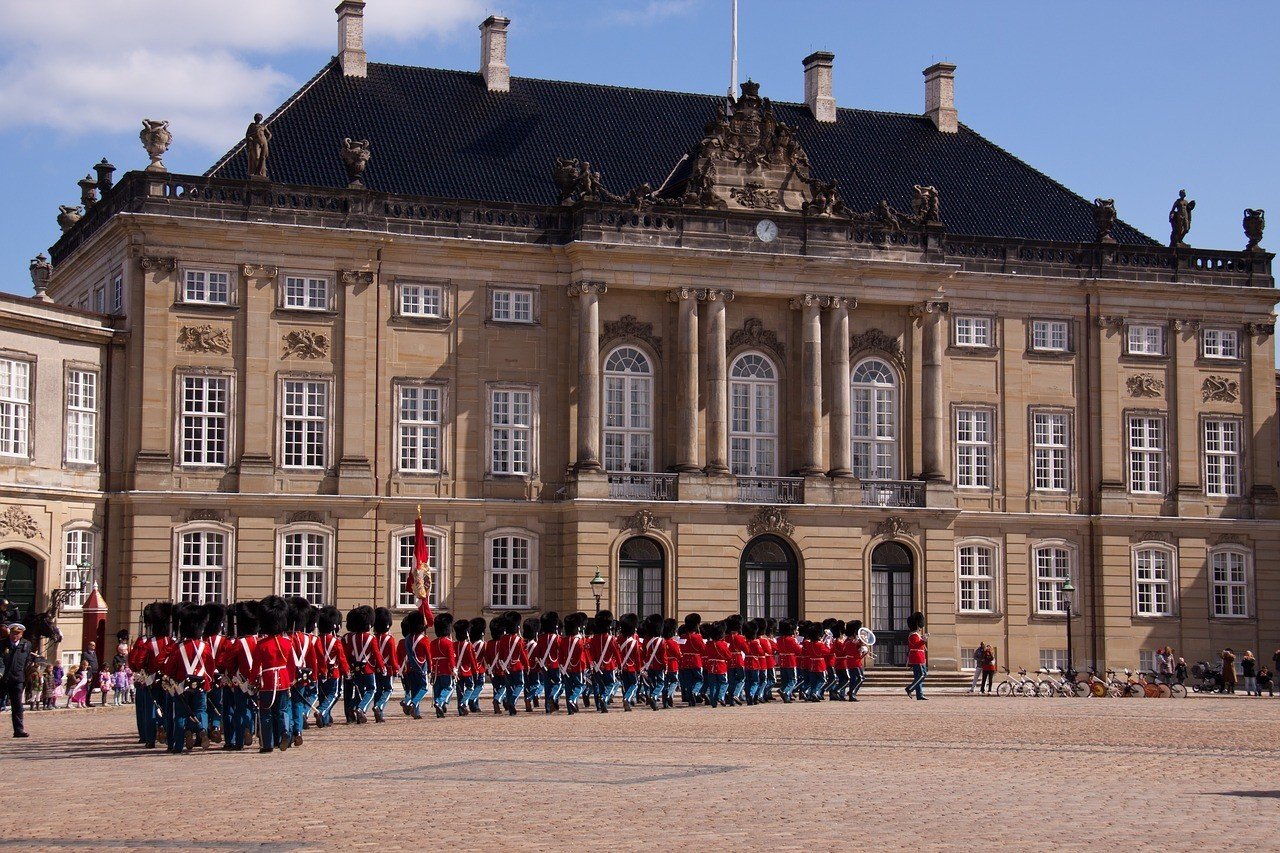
column 753, row 416
column 202, row 565
column 305, row 560
column 640, row 567
column 628, row 411
column 79, row 547
column 769, row 579
column 875, row 421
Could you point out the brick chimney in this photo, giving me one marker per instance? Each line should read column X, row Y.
column 817, row 85
column 940, row 96
column 493, row 54
column 351, row 55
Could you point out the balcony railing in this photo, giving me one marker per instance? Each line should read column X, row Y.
column 642, row 487
column 771, row 490
column 892, row 493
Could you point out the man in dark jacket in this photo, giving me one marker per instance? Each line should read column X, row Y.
column 15, row 653
column 89, row 663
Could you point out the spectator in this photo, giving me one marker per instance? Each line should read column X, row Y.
column 49, row 689
column 15, row 652
column 1180, row 671
column 1228, row 671
column 1249, row 669
column 1164, row 674
column 1158, row 662
column 977, row 666
column 90, row 666
column 104, row 684
column 77, row 687
column 123, row 685
column 1265, row 682
column 988, row 669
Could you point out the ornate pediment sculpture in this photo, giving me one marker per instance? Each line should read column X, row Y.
column 629, row 327
column 754, row 334
column 15, row 519
column 770, row 519
column 205, row 338
column 304, row 343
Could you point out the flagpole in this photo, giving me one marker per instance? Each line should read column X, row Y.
column 733, row 60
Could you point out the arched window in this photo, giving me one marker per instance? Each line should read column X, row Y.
column 305, row 558
column 976, row 576
column 78, row 548
column 1231, row 580
column 770, row 579
column 628, row 411
column 875, row 421
column 512, row 562
column 753, row 416
column 1053, row 566
column 640, row 566
column 402, row 597
column 1154, row 579
column 202, row 565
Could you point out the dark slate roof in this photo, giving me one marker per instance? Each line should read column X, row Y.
column 441, row 133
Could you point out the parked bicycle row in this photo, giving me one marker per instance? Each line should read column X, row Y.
column 1125, row 683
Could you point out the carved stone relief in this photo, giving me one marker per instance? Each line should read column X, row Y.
column 1144, row 385
column 629, row 327
column 304, row 343
column 15, row 519
column 1220, row 389
column 754, row 334
column 770, row 519
column 205, row 338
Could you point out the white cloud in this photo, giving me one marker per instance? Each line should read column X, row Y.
column 86, row 66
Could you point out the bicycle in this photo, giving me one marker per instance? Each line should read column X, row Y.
column 1098, row 687
column 1155, row 688
column 1021, row 686
column 1065, row 685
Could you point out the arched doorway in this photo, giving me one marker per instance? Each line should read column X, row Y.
column 640, row 577
column 770, row 579
column 892, row 581
column 20, row 589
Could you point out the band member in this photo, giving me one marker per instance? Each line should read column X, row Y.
column 789, row 652
column 839, row 662
column 219, row 695
column 489, row 659
column 574, row 661
column 917, row 654
column 444, row 660
column 549, row 655
column 631, row 652
column 669, row 627
column 814, row 663
column 144, row 708
column 333, row 669
column 304, row 694
column 737, row 660
column 692, row 647
column 857, row 651
column 511, row 657
column 390, row 663
column 653, row 653
column 365, row 660
column 602, row 651
column 475, row 633
column 237, row 669
column 533, row 672
column 188, row 680
column 466, row 667
column 755, row 663
column 415, row 657
column 716, row 657
column 273, row 674
column 153, row 664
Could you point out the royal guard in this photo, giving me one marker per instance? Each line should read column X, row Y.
column 475, row 634
column 273, row 674
column 737, row 685
column 602, row 651
column 857, row 652
column 143, row 707
column 390, row 662
column 917, row 654
column 653, row 666
column 669, row 628
column 549, row 654
column 465, row 671
column 533, row 672
column 188, row 680
column 813, row 660
column 755, row 663
column 511, row 659
column 218, row 645
column 333, row 670
column 415, row 655
column 789, row 652
column 492, row 665
column 304, row 694
column 716, row 660
column 691, row 650
column 365, row 661
column 574, row 660
column 237, row 667
column 444, row 660
column 630, row 651
column 839, row 681
column 154, row 663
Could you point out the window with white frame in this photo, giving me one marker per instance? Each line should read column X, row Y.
column 420, row 426
column 973, row 448
column 77, row 550
column 1050, row 336
column 972, row 331
column 1221, row 458
column 1145, row 339
column 510, row 571
column 1153, row 581
column 1146, row 660
column 628, row 411
column 1053, row 568
column 1049, row 432
column 307, row 292
column 967, row 663
column 82, row 416
column 15, row 407
column 405, row 557
column 511, row 431
column 753, row 416
column 100, row 299
column 1053, row 659
column 1146, row 454
column 117, row 294
column 304, row 563
column 209, row 287
column 975, row 566
column 421, row 300
column 205, row 407
column 306, row 423
column 507, row 305
column 874, row 427
column 202, row 566
column 1230, row 570
column 1220, row 343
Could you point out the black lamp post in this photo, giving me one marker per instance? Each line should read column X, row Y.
column 597, row 589
column 1068, row 594
column 59, row 597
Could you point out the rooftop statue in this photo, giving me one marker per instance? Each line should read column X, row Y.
column 355, row 157
column 1104, row 219
column 155, row 138
column 1180, row 220
column 927, row 204
column 257, row 145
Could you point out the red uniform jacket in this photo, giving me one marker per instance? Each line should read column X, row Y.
column 789, row 651
column 917, row 649
column 421, row 651
column 362, row 653
column 218, row 646
column 655, row 654
column 757, row 659
column 631, row 652
column 715, row 660
column 692, row 651
column 857, row 653
column 479, row 656
column 831, row 653
column 444, row 657
column 306, row 656
column 238, row 658
column 138, row 654
column 550, row 651
column 191, row 658
column 332, row 657
column 531, row 648
column 509, row 655
column 389, row 653
column 157, row 656
column 273, row 663
column 574, row 654
column 813, row 657
column 673, row 654
column 602, row 652
column 738, row 646
column 466, row 660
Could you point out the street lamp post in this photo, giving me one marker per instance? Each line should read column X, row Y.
column 597, row 589
column 1068, row 595
column 59, row 597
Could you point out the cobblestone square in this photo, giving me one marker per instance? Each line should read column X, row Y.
column 957, row 772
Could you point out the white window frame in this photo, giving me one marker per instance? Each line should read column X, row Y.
column 326, row 420
column 227, row 569
column 306, row 291
column 1046, row 332
column 87, row 543
column 117, row 294
column 418, row 434
column 1053, row 660
column 1050, row 451
column 1145, row 576
column 490, row 538
column 1048, row 584
column 509, row 431
column 421, row 300
column 100, row 299
column 753, row 448
column 506, row 305
column 401, row 563
column 16, row 400
column 967, row 663
column 325, row 570
column 1145, row 339
column 1220, row 344
column 205, row 292
column 874, row 422
column 204, row 421
column 975, row 453
column 1221, row 448
column 1232, row 589
column 82, row 400
column 971, row 579
column 626, row 420
column 973, row 331
column 1147, row 459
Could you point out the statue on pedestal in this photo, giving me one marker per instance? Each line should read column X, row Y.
column 1180, row 220
column 257, row 145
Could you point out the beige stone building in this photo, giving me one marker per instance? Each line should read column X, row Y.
column 818, row 362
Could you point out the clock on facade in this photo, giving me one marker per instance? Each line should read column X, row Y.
column 767, row 230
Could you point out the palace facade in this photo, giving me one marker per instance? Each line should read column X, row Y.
column 782, row 359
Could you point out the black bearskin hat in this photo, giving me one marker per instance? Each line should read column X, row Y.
column 854, row 626
column 297, row 612
column 549, row 622
column 359, row 619
column 603, row 622
column 329, row 619
column 413, row 624
column 498, row 627
column 460, row 629
column 215, row 618
column 122, row 636
column 443, row 623
column 733, row 624
column 162, row 619
column 915, row 621
column 309, row 622
column 530, row 628
column 475, row 630
column 693, row 620
column 381, row 620
column 669, row 628
column 191, row 621
column 273, row 615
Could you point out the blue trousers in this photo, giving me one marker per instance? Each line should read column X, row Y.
column 441, row 689
column 415, row 689
column 691, row 682
column 789, row 680
column 737, row 683
column 673, row 681
column 630, row 684
column 656, row 684
column 381, row 691
column 145, row 707
column 532, row 683
column 273, row 726
column 840, row 683
column 241, row 719
column 328, row 692
column 363, row 687
column 855, row 680
column 477, row 686
column 513, row 689
column 498, row 684
column 190, row 707
column 552, row 687
column 918, row 673
column 717, row 688
column 573, row 686
column 603, row 683
column 465, row 685
column 751, row 685
column 300, row 698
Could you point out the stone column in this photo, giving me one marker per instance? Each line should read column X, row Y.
column 810, row 307
column 933, row 414
column 717, row 380
column 841, row 425
column 588, row 293
column 686, row 381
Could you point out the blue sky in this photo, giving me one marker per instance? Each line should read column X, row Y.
column 1126, row 100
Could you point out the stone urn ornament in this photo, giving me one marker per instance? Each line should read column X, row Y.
column 1255, row 222
column 355, row 157
column 68, row 216
column 41, row 270
column 155, row 138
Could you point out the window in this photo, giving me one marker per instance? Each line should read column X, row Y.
column 1146, row 339
column 205, row 404
column 78, row 546
column 420, row 424
column 753, row 417
column 117, row 295
column 769, row 579
column 82, row 416
column 511, row 306
column 100, row 300
column 1049, row 440
column 1220, row 343
column 421, row 300
column 1221, row 458
column 628, row 411
column 975, row 565
column 1053, row 567
column 875, row 421
column 640, row 577
column 202, row 566
column 966, row 659
column 15, row 407
column 404, row 597
column 305, row 562
column 310, row 293
column 510, row 571
column 1153, row 581
column 1147, row 661
column 1053, row 659
column 973, row 331
column 208, row 287
column 1146, row 455
column 511, row 432
column 1050, row 336
column 1230, row 583
column 973, row 448
column 306, row 415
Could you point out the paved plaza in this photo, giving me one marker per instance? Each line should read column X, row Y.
column 958, row 772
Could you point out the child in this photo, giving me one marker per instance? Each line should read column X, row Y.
column 77, row 687
column 105, row 684
column 49, row 689
column 123, row 685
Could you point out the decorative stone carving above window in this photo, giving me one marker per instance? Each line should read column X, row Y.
column 362, row 278
column 1260, row 330
column 304, row 343
column 205, row 338
column 151, row 263
column 1110, row 322
column 629, row 327
column 1220, row 389
column 754, row 334
column 878, row 341
column 643, row 520
column 206, row 515
column 1152, row 536
column 260, row 270
column 1144, row 385
column 770, row 519
column 755, row 196
column 305, row 516
column 893, row 527
column 15, row 519
column 1229, row 539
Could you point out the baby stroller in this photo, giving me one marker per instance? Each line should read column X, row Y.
column 1207, row 678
